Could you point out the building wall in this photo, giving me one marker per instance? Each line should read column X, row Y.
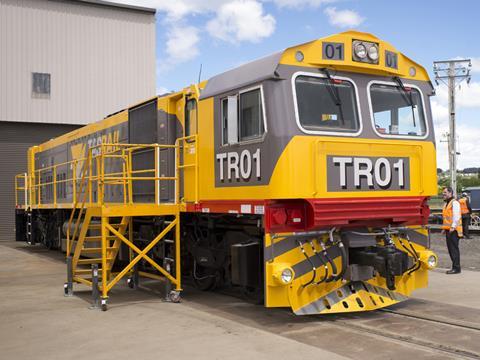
column 101, row 59
column 15, row 139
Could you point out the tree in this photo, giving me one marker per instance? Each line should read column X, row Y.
column 462, row 182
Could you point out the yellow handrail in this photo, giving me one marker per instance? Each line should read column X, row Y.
column 23, row 188
column 98, row 172
column 85, row 168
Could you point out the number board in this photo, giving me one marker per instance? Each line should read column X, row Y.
column 391, row 59
column 352, row 173
column 333, row 51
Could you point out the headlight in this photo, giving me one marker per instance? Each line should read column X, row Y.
column 365, row 51
column 373, row 53
column 299, row 56
column 287, row 275
column 428, row 259
column 360, row 51
column 281, row 273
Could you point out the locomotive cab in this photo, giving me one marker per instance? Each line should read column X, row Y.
column 338, row 132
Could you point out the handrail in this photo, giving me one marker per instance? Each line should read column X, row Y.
column 25, row 189
column 106, row 165
column 85, row 169
column 191, row 139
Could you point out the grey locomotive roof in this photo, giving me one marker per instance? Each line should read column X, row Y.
column 243, row 75
column 115, row 5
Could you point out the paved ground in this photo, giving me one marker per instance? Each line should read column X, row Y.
column 37, row 322
column 460, row 289
column 469, row 251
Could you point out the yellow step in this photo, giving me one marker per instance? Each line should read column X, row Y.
column 95, row 250
column 99, row 238
column 84, row 271
column 91, row 261
column 99, row 226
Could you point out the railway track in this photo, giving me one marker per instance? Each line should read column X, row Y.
column 449, row 338
column 445, row 322
column 418, row 329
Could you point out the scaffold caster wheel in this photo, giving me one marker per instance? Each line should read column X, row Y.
column 130, row 283
column 103, row 305
column 66, row 290
column 174, row 296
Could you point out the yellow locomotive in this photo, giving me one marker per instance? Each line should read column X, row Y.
column 301, row 178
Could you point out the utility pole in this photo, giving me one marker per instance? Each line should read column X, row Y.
column 452, row 73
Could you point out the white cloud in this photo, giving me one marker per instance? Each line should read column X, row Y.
column 241, row 20
column 181, row 46
column 182, row 43
column 162, row 90
column 343, row 18
column 233, row 20
column 475, row 65
column 467, row 135
column 177, row 9
column 300, row 4
column 467, row 146
column 440, row 122
column 439, row 111
column 468, row 95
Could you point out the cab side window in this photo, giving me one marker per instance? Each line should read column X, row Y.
column 251, row 115
column 225, row 121
column 242, row 117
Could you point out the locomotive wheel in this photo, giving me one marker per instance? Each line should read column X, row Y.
column 208, row 279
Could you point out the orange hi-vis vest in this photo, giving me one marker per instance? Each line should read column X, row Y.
column 463, row 206
column 448, row 218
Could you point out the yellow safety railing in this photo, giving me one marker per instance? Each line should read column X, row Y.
column 184, row 146
column 83, row 181
column 21, row 190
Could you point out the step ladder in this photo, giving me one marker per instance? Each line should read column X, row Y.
column 88, row 252
column 97, row 229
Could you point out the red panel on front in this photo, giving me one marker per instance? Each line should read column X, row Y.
column 368, row 211
column 325, row 213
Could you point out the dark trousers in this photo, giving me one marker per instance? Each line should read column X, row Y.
column 466, row 224
column 453, row 250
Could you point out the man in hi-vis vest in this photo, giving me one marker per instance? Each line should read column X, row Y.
column 452, row 226
column 466, row 210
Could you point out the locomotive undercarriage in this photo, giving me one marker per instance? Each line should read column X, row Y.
column 227, row 252
column 40, row 227
column 224, row 252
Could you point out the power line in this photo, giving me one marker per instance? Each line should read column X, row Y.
column 452, row 73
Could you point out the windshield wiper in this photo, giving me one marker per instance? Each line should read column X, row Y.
column 334, row 94
column 407, row 96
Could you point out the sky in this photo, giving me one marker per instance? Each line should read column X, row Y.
column 221, row 34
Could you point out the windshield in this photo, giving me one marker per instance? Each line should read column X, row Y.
column 325, row 104
column 397, row 111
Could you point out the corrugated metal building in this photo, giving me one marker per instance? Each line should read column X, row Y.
column 63, row 64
